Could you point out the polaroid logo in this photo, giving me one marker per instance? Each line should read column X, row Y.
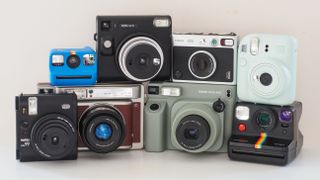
column 209, row 92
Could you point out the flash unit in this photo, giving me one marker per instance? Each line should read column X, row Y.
column 33, row 106
column 161, row 22
column 170, row 91
column 242, row 113
column 57, row 59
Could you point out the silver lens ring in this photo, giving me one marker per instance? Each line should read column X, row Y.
column 213, row 60
column 128, row 46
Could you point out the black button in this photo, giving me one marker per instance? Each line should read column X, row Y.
column 154, row 107
column 153, row 90
column 284, row 131
column 266, row 79
column 285, row 125
column 219, row 106
column 105, row 25
column 24, row 124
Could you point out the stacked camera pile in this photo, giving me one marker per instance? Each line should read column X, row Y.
column 147, row 87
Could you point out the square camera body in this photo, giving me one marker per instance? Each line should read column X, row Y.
column 205, row 58
column 46, row 127
column 69, row 67
column 189, row 117
column 266, row 133
column 267, row 69
column 134, row 48
column 110, row 116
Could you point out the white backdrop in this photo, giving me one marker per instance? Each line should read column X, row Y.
column 30, row 28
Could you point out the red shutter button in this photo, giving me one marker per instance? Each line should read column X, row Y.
column 242, row 127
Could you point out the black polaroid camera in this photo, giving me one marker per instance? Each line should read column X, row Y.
column 46, row 127
column 134, row 48
column 266, row 133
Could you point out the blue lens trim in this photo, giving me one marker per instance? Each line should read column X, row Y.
column 103, row 131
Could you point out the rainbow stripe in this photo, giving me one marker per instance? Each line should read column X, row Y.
column 261, row 140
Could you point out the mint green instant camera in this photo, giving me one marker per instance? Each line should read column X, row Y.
column 190, row 117
column 267, row 69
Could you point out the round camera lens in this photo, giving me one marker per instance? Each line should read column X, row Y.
column 55, row 140
column 103, row 131
column 192, row 132
column 264, row 120
column 266, row 79
column 73, row 61
column 202, row 64
column 140, row 58
column 53, row 137
column 102, row 128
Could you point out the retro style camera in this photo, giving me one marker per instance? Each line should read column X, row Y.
column 205, row 58
column 73, row 67
column 267, row 69
column 266, row 133
column 46, row 127
column 110, row 116
column 189, row 117
column 134, row 48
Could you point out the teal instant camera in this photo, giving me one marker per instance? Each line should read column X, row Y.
column 190, row 117
column 267, row 69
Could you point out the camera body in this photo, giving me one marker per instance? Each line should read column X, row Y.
column 267, row 69
column 190, row 117
column 205, row 58
column 134, row 48
column 46, row 127
column 110, row 116
column 266, row 133
column 70, row 67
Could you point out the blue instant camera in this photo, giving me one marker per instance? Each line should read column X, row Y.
column 73, row 67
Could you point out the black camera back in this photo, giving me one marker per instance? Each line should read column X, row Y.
column 46, row 127
column 266, row 133
column 134, row 48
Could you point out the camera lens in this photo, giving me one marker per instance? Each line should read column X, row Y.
column 53, row 136
column 192, row 132
column 73, row 61
column 265, row 119
column 202, row 64
column 266, row 79
column 103, row 131
column 140, row 58
column 102, row 128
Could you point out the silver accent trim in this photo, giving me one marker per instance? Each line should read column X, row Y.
column 126, row 48
column 213, row 60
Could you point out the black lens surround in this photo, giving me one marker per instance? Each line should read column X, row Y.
column 54, row 136
column 73, row 61
column 140, row 58
column 192, row 132
column 202, row 64
column 265, row 120
column 96, row 116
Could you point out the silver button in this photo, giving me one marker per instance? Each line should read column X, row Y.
column 107, row 44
